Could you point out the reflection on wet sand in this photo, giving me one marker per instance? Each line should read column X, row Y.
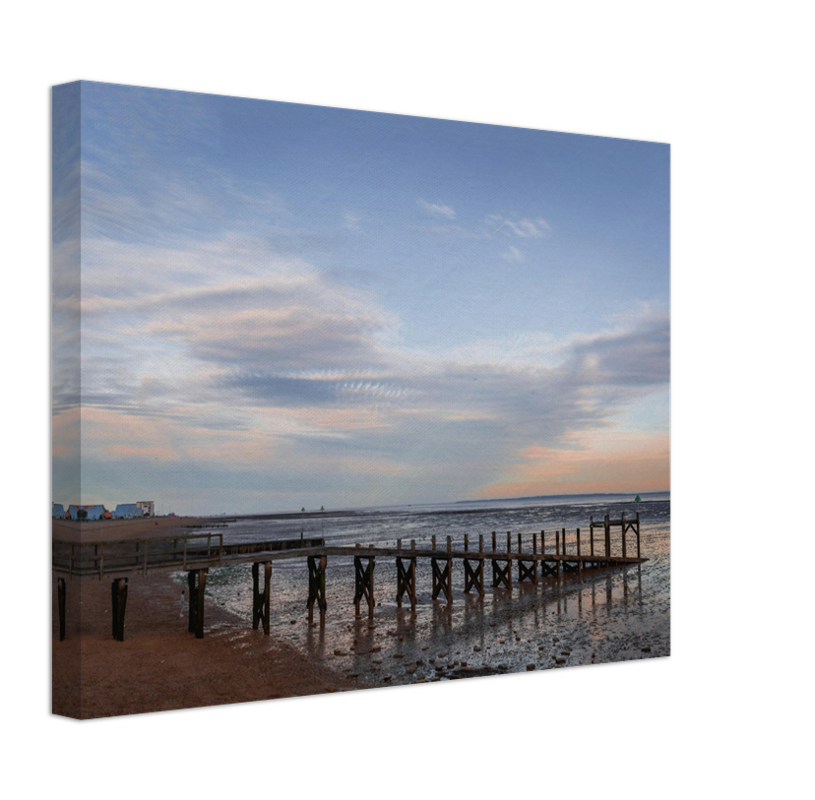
column 590, row 616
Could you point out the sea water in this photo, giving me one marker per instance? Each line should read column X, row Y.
column 607, row 615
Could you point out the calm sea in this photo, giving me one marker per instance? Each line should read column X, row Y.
column 611, row 615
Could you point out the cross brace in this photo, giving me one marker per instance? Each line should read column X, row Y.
column 502, row 575
column 527, row 571
column 442, row 578
column 261, row 601
column 406, row 581
column 364, row 584
column 474, row 575
column 316, row 587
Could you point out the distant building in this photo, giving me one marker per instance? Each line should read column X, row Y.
column 57, row 511
column 87, row 512
column 127, row 511
column 148, row 507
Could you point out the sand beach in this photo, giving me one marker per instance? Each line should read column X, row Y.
column 608, row 615
column 160, row 666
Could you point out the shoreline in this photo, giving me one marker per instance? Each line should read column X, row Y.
column 160, row 666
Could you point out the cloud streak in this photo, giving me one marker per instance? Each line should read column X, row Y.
column 436, row 209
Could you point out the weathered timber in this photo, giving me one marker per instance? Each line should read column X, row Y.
column 118, row 594
column 442, row 578
column 197, row 581
column 406, row 581
column 197, row 553
column 501, row 574
column 364, row 584
column 316, row 587
column 625, row 526
column 550, row 567
column 474, row 575
column 261, row 601
column 527, row 569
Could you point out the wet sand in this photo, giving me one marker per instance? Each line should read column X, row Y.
column 160, row 666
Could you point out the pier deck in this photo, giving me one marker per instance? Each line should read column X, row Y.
column 197, row 553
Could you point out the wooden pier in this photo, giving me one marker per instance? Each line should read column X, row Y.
column 196, row 554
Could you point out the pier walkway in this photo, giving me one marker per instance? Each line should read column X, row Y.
column 196, row 554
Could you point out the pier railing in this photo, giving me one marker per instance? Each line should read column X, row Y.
column 196, row 553
column 89, row 559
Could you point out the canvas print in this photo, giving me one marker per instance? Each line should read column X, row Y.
column 346, row 400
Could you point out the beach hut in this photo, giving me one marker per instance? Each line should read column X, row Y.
column 86, row 512
column 127, row 511
column 57, row 511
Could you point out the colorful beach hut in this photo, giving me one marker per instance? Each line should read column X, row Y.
column 90, row 512
column 127, row 511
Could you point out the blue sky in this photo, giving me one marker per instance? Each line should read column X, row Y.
column 286, row 306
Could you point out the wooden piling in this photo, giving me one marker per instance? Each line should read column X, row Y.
column 474, row 569
column 502, row 575
column 527, row 570
column 364, row 584
column 118, row 591
column 406, row 581
column 442, row 578
column 197, row 581
column 474, row 575
column 261, row 601
column 316, row 587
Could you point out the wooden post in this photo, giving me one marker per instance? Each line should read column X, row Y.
column 509, row 542
column 607, row 535
column 118, row 591
column 557, row 543
column 61, row 607
column 433, row 542
column 449, row 543
column 480, row 542
column 197, row 581
column 364, row 581
column 623, row 521
column 563, row 539
column 316, row 587
column 638, row 534
column 442, row 578
column 466, row 542
column 501, row 575
column 261, row 603
column 474, row 575
column 406, row 581
column 591, row 539
column 580, row 561
column 527, row 570
column 267, row 594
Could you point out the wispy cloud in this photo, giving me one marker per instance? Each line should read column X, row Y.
column 436, row 209
column 513, row 255
column 537, row 228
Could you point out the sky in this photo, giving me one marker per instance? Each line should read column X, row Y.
column 263, row 306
